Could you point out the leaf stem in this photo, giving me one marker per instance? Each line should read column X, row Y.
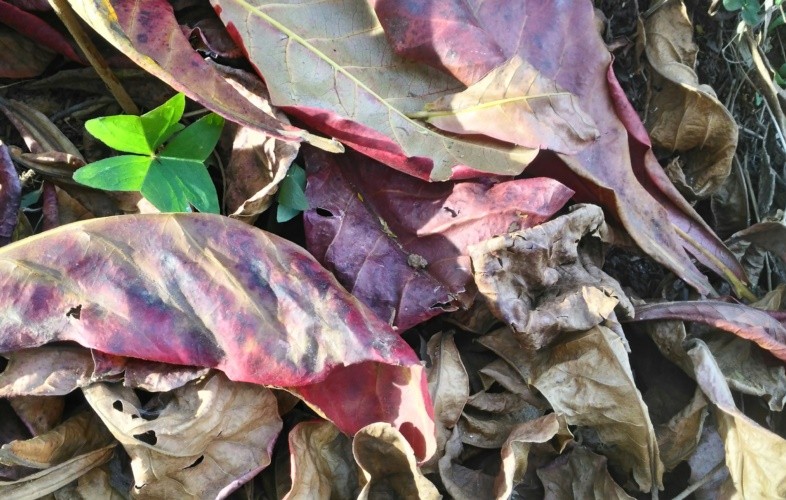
column 66, row 14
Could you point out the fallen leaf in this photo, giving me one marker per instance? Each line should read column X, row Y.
column 463, row 483
column 10, row 196
column 580, row 474
column 389, row 465
column 202, row 290
column 357, row 89
column 743, row 321
column 53, row 478
column 400, row 244
column 679, row 437
column 80, row 434
column 538, row 282
column 684, row 116
column 587, row 378
column 769, row 235
column 159, row 377
column 322, row 463
column 205, row 441
column 37, row 30
column 39, row 414
column 21, row 57
column 147, row 32
column 94, row 484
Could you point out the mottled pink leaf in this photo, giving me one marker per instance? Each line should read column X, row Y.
column 743, row 321
column 10, row 195
column 399, row 244
column 204, row 290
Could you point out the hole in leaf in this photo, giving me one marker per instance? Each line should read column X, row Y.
column 3, row 364
column 134, row 416
column 324, row 212
column 75, row 312
column 196, row 462
column 118, row 405
column 449, row 210
column 148, row 437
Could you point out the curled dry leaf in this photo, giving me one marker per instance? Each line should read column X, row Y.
column 463, row 483
column 679, row 437
column 587, row 378
column 448, row 385
column 322, row 463
column 580, row 474
column 358, row 90
column 39, row 414
column 205, row 441
column 389, row 465
column 756, row 457
column 515, row 451
column 207, row 291
column 78, row 435
column 54, row 478
column 159, row 377
column 683, row 115
column 768, row 235
column 538, row 281
column 399, row 244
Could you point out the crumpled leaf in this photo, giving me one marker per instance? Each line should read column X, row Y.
column 580, row 474
column 39, row 414
column 400, row 244
column 685, row 116
column 147, row 32
column 769, row 235
column 10, row 195
column 322, row 463
column 448, row 385
column 743, row 321
column 587, row 378
column 538, row 282
column 463, row 483
column 205, row 441
column 208, row 291
column 80, row 434
column 21, row 57
column 679, row 437
column 357, row 89
column 515, row 451
column 754, row 455
column 53, row 478
column 389, row 465
column 94, row 484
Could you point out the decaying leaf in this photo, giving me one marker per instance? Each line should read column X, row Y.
column 21, row 57
column 39, row 414
column 679, row 437
column 80, row 434
column 203, row 440
column 538, row 282
column 389, row 465
column 10, row 195
column 580, row 474
column 322, row 463
column 463, row 483
column 685, row 116
column 207, row 291
column 769, row 235
column 399, row 244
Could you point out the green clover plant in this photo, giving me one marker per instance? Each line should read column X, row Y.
column 291, row 196
column 172, row 176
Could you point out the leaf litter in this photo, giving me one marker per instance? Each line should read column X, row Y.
column 462, row 338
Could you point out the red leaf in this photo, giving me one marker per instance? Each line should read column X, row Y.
column 37, row 30
column 203, row 290
column 399, row 244
column 743, row 321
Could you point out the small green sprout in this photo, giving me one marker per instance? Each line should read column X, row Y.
column 291, row 196
column 172, row 176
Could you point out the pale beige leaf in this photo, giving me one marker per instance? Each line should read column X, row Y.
column 588, row 379
column 679, row 437
column 79, row 434
column 685, row 116
column 49, row 480
column 580, row 474
column 517, row 104
column 94, row 484
column 208, row 438
column 389, row 465
column 322, row 463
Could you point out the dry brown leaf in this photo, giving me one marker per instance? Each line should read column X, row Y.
column 461, row 482
column 768, row 235
column 588, row 379
column 389, row 465
column 448, row 384
column 159, row 377
column 322, row 463
column 685, row 116
column 538, row 282
column 709, row 459
column 92, row 485
column 54, row 478
column 756, row 457
column 39, row 414
column 679, row 437
column 517, row 104
column 580, row 474
column 79, row 434
column 489, row 430
column 204, row 441
column 515, row 451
